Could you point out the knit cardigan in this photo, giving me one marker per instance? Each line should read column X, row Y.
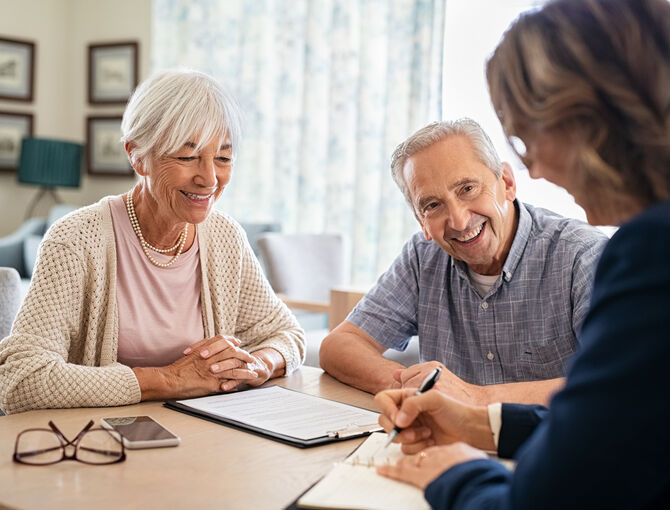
column 62, row 349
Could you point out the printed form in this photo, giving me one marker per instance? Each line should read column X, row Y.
column 286, row 412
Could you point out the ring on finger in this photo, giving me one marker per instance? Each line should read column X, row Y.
column 420, row 457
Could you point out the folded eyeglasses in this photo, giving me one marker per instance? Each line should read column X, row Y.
column 49, row 446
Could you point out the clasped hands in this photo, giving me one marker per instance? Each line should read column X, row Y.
column 218, row 364
column 438, row 432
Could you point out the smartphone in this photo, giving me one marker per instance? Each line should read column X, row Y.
column 141, row 432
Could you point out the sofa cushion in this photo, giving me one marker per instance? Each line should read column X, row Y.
column 58, row 211
column 30, row 245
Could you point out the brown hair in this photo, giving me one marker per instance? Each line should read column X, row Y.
column 598, row 70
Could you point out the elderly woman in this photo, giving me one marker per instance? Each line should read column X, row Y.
column 585, row 85
column 152, row 294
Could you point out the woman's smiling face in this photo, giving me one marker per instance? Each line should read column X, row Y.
column 186, row 184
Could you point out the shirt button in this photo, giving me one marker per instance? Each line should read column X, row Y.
column 490, row 356
column 508, row 276
column 485, row 305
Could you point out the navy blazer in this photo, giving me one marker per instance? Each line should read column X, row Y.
column 519, row 421
column 605, row 442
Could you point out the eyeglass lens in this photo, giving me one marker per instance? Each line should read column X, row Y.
column 98, row 447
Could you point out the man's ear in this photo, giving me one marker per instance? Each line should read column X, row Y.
column 509, row 182
column 426, row 234
column 136, row 163
column 421, row 224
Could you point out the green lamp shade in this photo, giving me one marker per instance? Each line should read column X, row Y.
column 50, row 163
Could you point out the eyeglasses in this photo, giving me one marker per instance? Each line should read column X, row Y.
column 49, row 446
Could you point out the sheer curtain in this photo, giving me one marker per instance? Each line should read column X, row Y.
column 328, row 88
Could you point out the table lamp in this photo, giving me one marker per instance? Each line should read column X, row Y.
column 49, row 164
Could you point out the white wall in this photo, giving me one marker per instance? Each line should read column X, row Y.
column 62, row 31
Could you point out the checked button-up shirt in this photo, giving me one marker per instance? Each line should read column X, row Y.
column 524, row 328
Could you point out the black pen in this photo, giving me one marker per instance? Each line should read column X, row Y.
column 427, row 384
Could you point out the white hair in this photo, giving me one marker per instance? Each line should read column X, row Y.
column 174, row 107
column 435, row 132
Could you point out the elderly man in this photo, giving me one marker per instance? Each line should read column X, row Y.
column 495, row 289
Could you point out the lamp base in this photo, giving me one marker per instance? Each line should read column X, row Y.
column 43, row 191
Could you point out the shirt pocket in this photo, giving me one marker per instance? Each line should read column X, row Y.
column 545, row 358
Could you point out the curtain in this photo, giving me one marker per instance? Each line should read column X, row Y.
column 327, row 88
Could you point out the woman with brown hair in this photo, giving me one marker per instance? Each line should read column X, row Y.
column 584, row 87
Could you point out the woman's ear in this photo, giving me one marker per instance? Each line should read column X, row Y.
column 135, row 162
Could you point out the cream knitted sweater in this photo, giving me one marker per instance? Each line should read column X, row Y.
column 62, row 350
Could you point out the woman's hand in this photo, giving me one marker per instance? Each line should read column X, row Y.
column 189, row 376
column 235, row 366
column 433, row 418
column 209, row 366
column 427, row 465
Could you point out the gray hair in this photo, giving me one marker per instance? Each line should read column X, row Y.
column 173, row 107
column 435, row 132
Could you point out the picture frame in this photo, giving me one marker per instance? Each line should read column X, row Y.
column 105, row 154
column 112, row 72
column 13, row 127
column 17, row 69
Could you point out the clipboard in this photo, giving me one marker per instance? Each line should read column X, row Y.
column 296, row 418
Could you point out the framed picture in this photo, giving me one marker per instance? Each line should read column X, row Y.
column 112, row 72
column 17, row 69
column 105, row 154
column 13, row 127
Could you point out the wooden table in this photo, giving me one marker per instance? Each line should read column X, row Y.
column 214, row 467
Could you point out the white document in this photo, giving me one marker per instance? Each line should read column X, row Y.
column 355, row 484
column 287, row 412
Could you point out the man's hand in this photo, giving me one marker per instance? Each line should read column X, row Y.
column 449, row 383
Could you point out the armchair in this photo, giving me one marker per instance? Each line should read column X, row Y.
column 302, row 269
column 19, row 249
column 307, row 271
column 253, row 231
column 12, row 246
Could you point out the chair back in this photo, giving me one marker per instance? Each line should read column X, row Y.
column 303, row 266
column 10, row 298
column 254, row 230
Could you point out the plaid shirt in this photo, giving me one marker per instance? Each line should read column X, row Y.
column 525, row 328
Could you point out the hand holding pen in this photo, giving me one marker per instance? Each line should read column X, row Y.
column 426, row 385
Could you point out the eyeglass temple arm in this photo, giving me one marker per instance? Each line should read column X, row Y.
column 77, row 437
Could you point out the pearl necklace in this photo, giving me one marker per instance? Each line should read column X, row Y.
column 130, row 207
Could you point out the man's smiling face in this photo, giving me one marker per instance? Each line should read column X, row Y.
column 461, row 204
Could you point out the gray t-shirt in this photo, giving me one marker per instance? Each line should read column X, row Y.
column 525, row 328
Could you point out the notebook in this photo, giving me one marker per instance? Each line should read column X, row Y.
column 355, row 484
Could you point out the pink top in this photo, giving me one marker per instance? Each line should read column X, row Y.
column 159, row 308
